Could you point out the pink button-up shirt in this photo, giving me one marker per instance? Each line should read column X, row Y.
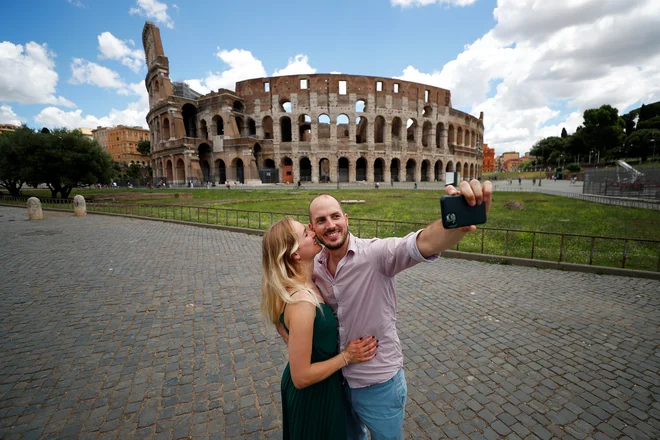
column 363, row 296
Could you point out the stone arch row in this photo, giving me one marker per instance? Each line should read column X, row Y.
column 362, row 169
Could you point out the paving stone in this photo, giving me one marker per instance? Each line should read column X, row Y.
column 172, row 345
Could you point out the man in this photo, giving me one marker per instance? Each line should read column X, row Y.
column 356, row 279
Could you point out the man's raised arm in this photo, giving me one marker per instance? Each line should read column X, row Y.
column 435, row 239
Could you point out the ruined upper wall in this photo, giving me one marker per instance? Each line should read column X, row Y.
column 325, row 85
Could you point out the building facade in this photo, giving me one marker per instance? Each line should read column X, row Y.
column 317, row 128
column 8, row 127
column 121, row 142
column 489, row 159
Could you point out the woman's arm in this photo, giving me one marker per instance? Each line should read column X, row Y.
column 300, row 321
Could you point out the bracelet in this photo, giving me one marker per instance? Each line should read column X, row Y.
column 345, row 361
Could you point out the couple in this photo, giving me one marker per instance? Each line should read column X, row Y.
column 344, row 296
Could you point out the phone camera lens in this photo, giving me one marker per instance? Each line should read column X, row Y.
column 451, row 218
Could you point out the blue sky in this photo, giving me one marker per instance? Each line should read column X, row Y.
column 531, row 66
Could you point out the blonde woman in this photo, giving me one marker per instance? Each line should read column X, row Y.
column 312, row 396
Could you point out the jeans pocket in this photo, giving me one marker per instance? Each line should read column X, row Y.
column 401, row 388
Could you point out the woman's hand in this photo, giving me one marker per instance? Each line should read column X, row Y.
column 360, row 350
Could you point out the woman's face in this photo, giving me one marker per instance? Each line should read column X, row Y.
column 308, row 247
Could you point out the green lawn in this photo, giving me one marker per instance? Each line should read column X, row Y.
column 383, row 211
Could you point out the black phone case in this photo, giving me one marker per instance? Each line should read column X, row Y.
column 464, row 214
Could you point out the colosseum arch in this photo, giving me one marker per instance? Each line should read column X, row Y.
column 426, row 133
column 428, row 111
column 343, row 165
column 379, row 130
column 411, row 125
column 466, row 171
column 238, row 170
column 459, row 136
column 180, row 172
column 285, row 129
column 360, row 106
column 395, row 170
column 287, row 170
column 361, row 130
column 343, row 127
column 189, row 113
column 472, row 171
column 451, row 135
column 204, row 152
column 450, row 167
column 439, row 133
column 324, row 126
column 305, row 169
column 252, row 127
column 169, row 171
column 361, row 170
column 459, row 168
column 411, row 166
column 240, row 126
column 396, row 128
column 467, row 138
column 221, row 170
column 166, row 129
column 379, row 170
column 203, row 129
column 324, row 170
column 238, row 107
column 438, row 174
column 285, row 105
column 426, row 171
column 304, row 128
column 267, row 125
column 218, row 125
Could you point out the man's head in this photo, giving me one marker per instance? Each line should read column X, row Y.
column 328, row 220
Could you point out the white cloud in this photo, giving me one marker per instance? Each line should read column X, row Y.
column 133, row 115
column 27, row 74
column 87, row 72
column 242, row 65
column 113, row 48
column 408, row 3
column 551, row 61
column 7, row 116
column 297, row 66
column 153, row 10
column 77, row 3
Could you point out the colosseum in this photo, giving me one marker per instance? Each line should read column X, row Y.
column 309, row 128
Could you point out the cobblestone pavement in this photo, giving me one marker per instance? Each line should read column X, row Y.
column 125, row 328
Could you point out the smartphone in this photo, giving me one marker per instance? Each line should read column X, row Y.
column 456, row 212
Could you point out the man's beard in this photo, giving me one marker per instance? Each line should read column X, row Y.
column 332, row 247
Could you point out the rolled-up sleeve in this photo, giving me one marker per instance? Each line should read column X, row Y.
column 413, row 250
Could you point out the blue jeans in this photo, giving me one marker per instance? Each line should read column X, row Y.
column 379, row 408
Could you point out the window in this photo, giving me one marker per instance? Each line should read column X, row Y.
column 266, row 87
column 342, row 87
column 426, row 96
column 303, row 84
column 379, row 86
column 396, row 88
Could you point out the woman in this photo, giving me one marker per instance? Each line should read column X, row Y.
column 312, row 396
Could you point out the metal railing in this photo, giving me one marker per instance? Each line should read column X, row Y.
column 594, row 250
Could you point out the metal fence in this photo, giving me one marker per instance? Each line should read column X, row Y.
column 642, row 182
column 631, row 253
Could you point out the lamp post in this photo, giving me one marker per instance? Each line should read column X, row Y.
column 653, row 140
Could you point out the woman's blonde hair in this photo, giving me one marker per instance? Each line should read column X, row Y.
column 281, row 272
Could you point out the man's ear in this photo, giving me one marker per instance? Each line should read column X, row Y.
column 310, row 226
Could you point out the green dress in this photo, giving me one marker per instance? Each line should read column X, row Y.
column 317, row 411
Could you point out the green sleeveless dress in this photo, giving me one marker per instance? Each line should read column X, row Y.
column 317, row 411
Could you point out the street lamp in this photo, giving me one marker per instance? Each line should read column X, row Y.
column 653, row 140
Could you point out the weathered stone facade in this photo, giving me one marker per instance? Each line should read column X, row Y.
column 322, row 127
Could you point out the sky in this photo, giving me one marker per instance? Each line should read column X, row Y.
column 532, row 66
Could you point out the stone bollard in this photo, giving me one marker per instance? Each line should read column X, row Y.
column 79, row 207
column 34, row 209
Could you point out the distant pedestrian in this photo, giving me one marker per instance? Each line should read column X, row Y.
column 415, row 185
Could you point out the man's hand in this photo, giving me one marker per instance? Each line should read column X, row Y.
column 283, row 333
column 475, row 194
column 435, row 239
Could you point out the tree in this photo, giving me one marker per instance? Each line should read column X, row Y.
column 564, row 133
column 144, row 147
column 133, row 171
column 67, row 159
column 526, row 165
column 649, row 124
column 546, row 147
column 603, row 129
column 12, row 153
column 640, row 143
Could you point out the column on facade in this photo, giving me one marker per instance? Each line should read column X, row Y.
column 371, row 159
column 315, row 167
column 351, row 169
column 296, row 167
